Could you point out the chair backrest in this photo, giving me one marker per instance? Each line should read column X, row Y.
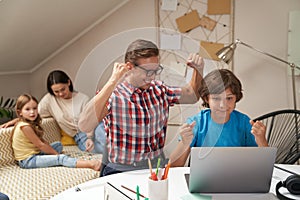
column 283, row 132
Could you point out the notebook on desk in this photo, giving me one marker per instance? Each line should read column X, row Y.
column 231, row 169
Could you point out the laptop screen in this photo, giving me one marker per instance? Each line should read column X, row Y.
column 231, row 169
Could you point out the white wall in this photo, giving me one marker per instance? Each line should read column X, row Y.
column 264, row 25
column 14, row 85
column 261, row 23
column 135, row 14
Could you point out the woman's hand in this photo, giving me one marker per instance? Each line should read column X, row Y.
column 259, row 132
column 89, row 145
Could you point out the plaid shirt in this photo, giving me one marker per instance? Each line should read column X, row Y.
column 137, row 121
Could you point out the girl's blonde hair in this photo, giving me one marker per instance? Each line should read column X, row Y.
column 36, row 124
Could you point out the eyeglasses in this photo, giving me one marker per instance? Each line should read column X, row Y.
column 151, row 72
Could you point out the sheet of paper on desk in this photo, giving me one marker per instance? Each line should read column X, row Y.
column 85, row 193
column 113, row 193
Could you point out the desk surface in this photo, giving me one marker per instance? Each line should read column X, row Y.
column 94, row 189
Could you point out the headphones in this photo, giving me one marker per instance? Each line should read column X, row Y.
column 292, row 184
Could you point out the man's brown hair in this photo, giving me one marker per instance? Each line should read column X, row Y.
column 140, row 49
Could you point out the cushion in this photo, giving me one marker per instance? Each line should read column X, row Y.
column 44, row 183
column 6, row 151
column 52, row 130
column 67, row 140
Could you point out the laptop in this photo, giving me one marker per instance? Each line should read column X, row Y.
column 231, row 169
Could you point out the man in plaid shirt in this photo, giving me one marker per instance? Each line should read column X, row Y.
column 135, row 108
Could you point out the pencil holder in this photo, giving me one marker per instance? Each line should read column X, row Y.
column 158, row 190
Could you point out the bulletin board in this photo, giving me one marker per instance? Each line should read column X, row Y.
column 192, row 26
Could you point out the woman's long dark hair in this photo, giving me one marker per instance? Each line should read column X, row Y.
column 56, row 77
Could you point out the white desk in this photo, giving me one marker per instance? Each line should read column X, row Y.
column 94, row 189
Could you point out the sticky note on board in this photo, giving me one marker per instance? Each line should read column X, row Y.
column 170, row 5
column 208, row 23
column 218, row 7
column 188, row 21
column 170, row 41
column 209, row 49
column 180, row 68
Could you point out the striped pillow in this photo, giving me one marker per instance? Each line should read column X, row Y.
column 6, row 151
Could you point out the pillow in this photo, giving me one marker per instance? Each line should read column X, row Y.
column 52, row 130
column 6, row 151
column 66, row 140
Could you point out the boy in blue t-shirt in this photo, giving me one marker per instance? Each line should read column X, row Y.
column 220, row 125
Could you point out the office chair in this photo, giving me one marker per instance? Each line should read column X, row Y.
column 283, row 132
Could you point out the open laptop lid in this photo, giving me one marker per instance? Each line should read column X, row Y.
column 231, row 169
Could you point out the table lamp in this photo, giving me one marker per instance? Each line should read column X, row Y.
column 226, row 54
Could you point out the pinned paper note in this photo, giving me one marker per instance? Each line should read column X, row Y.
column 179, row 68
column 170, row 5
column 170, row 41
column 208, row 23
column 188, row 21
column 218, row 7
column 209, row 50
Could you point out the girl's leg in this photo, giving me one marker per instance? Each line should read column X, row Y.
column 92, row 164
column 80, row 139
column 55, row 160
column 40, row 161
column 57, row 146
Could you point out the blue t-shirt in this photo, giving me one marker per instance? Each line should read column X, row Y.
column 234, row 133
